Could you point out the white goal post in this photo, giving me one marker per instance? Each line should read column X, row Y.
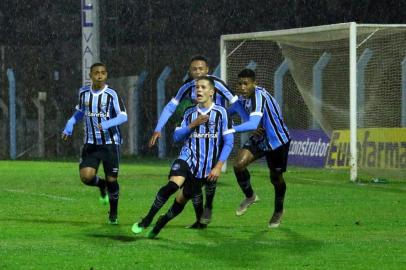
column 322, row 92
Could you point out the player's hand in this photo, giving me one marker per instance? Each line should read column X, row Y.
column 65, row 137
column 215, row 172
column 153, row 139
column 198, row 121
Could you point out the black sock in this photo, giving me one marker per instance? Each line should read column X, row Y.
column 161, row 198
column 197, row 201
column 113, row 190
column 210, row 190
column 98, row 182
column 243, row 179
column 175, row 210
column 280, row 189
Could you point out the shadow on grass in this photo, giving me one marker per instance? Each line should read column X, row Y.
column 256, row 248
column 48, row 221
column 115, row 237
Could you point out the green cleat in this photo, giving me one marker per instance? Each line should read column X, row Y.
column 113, row 221
column 136, row 228
column 104, row 200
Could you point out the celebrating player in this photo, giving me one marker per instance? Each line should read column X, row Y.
column 103, row 111
column 198, row 67
column 205, row 131
column 271, row 140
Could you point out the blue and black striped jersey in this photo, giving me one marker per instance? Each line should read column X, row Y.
column 264, row 105
column 202, row 149
column 99, row 106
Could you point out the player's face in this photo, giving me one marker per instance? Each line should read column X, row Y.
column 246, row 86
column 198, row 68
column 98, row 75
column 204, row 92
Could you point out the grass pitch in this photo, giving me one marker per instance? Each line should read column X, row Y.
column 49, row 220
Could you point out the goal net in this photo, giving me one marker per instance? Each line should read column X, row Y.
column 347, row 81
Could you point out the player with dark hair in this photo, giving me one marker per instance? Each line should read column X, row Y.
column 205, row 131
column 103, row 111
column 198, row 66
column 271, row 140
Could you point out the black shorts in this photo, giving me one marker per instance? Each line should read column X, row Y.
column 192, row 185
column 277, row 159
column 109, row 154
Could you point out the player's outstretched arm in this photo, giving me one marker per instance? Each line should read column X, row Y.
column 67, row 131
column 237, row 107
column 250, row 125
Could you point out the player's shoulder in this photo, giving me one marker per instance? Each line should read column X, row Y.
column 111, row 91
column 220, row 108
column 84, row 88
column 261, row 89
column 188, row 82
column 190, row 109
column 216, row 79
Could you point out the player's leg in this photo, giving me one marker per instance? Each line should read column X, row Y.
column 111, row 160
column 88, row 170
column 190, row 188
column 176, row 208
column 177, row 175
column 160, row 199
column 277, row 162
column 246, row 156
column 210, row 191
column 197, row 200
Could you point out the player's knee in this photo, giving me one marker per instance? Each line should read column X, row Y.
column 276, row 177
column 239, row 165
column 86, row 177
column 169, row 189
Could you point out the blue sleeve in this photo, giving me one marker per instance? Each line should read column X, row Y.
column 118, row 120
column 167, row 112
column 227, row 146
column 237, row 107
column 76, row 117
column 224, row 90
column 252, row 124
column 121, row 113
column 181, row 134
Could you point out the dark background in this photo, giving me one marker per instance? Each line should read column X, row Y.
column 40, row 37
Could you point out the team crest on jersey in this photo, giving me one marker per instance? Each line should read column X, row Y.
column 87, row 104
column 175, row 166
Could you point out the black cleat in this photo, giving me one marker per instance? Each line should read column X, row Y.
column 197, row 225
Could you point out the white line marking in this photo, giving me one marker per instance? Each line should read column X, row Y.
column 60, row 198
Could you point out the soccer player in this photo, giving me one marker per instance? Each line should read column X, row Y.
column 271, row 139
column 205, row 131
column 198, row 66
column 103, row 111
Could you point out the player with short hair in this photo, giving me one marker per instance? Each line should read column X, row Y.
column 103, row 111
column 198, row 66
column 205, row 131
column 271, row 140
